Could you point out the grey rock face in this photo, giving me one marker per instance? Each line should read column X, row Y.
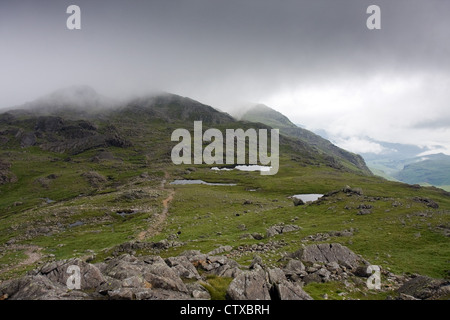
column 294, row 266
column 289, row 291
column 91, row 276
column 425, row 288
column 326, row 253
column 281, row 228
column 183, row 267
column 249, row 285
column 218, row 265
column 38, row 287
column 151, row 277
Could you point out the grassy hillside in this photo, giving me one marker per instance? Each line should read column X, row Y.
column 58, row 203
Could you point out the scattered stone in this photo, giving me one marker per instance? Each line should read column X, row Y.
column 348, row 190
column 363, row 212
column 94, row 178
column 328, row 235
column 257, row 236
column 396, row 204
column 242, row 227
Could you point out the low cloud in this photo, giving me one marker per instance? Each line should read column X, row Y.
column 314, row 61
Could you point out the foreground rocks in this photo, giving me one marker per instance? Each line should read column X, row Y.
column 425, row 288
column 126, row 277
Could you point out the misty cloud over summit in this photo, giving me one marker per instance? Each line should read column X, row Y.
column 314, row 61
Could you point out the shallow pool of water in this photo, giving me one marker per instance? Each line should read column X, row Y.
column 308, row 197
column 124, row 213
column 244, row 168
column 76, row 224
column 178, row 182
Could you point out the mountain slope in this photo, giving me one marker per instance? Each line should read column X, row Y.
column 434, row 170
column 96, row 201
column 264, row 114
column 60, row 123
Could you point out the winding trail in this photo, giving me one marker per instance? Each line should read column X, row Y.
column 157, row 223
column 32, row 252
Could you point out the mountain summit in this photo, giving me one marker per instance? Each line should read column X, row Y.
column 75, row 99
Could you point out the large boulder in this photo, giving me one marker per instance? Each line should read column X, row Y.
column 329, row 252
column 37, row 287
column 281, row 228
column 183, row 267
column 59, row 272
column 289, row 291
column 282, row 289
column 249, row 285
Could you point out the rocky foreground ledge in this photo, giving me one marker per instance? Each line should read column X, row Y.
column 183, row 277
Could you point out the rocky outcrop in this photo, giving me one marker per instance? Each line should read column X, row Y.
column 58, row 272
column 94, row 178
column 249, row 285
column 6, row 176
column 425, row 288
column 428, row 202
column 127, row 277
column 328, row 253
column 57, row 134
column 262, row 283
column 37, row 287
column 327, row 235
column 281, row 228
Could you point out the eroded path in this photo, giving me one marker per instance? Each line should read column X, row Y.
column 159, row 219
column 32, row 252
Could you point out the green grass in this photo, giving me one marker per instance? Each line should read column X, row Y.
column 334, row 290
column 217, row 286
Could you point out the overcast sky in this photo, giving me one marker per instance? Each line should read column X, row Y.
column 315, row 61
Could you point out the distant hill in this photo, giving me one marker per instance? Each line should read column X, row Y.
column 433, row 169
column 264, row 114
